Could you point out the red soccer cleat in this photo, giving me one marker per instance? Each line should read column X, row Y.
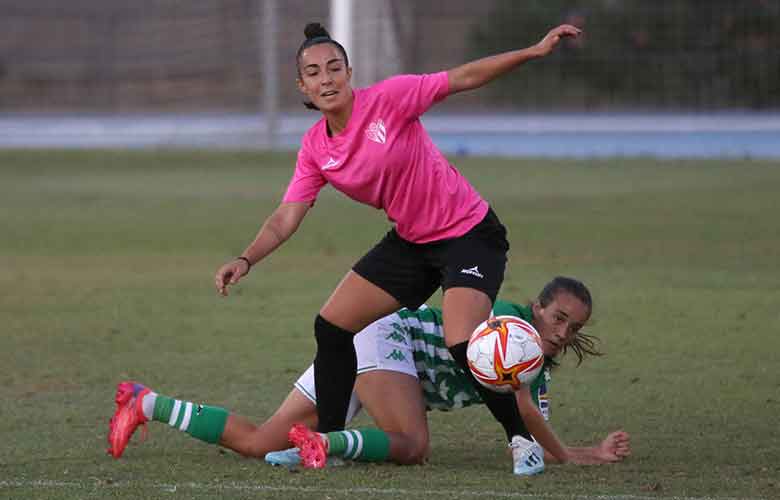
column 314, row 454
column 127, row 417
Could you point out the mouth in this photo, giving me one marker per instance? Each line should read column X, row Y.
column 554, row 347
column 329, row 93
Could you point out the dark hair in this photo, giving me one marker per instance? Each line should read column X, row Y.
column 315, row 35
column 582, row 344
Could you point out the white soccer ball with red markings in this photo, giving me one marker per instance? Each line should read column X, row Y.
column 505, row 352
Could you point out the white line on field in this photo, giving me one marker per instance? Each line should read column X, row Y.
column 97, row 484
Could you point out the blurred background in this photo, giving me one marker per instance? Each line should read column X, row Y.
column 682, row 78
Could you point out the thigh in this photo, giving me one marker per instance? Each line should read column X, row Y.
column 401, row 269
column 477, row 260
column 395, row 402
column 385, row 344
column 356, row 303
column 462, row 310
column 387, row 384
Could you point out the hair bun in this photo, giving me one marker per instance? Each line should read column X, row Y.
column 315, row 30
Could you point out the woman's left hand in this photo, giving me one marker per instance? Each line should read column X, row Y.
column 550, row 41
column 615, row 447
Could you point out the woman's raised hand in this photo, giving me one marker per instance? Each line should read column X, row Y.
column 551, row 39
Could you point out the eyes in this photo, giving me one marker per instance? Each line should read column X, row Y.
column 560, row 320
column 312, row 71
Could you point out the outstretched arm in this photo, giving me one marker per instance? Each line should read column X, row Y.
column 477, row 73
column 278, row 227
column 615, row 447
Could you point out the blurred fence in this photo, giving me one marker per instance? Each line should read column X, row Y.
column 201, row 55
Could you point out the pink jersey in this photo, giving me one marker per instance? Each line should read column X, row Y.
column 385, row 158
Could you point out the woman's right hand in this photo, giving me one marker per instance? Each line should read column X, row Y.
column 229, row 274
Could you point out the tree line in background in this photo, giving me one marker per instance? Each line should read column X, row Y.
column 697, row 54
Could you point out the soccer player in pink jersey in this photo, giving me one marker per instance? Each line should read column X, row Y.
column 371, row 146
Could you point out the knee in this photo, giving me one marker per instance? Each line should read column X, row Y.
column 327, row 333
column 416, row 450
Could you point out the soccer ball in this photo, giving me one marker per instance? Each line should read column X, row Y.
column 505, row 352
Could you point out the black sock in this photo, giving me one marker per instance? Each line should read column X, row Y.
column 502, row 406
column 334, row 374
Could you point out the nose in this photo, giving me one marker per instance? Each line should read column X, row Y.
column 327, row 78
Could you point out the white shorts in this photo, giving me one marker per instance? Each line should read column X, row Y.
column 382, row 345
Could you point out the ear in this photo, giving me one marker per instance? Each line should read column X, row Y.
column 537, row 309
column 301, row 86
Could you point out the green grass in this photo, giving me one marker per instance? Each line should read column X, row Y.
column 106, row 272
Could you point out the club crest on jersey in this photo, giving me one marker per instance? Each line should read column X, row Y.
column 377, row 132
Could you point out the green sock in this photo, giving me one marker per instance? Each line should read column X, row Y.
column 199, row 421
column 367, row 445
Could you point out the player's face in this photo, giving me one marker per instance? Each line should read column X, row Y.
column 325, row 77
column 559, row 321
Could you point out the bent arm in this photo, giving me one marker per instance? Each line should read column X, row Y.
column 477, row 73
column 277, row 229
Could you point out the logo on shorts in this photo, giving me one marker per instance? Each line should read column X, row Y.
column 377, row 132
column 396, row 355
column 474, row 271
column 397, row 335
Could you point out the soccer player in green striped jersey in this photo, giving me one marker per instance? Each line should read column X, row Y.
column 404, row 369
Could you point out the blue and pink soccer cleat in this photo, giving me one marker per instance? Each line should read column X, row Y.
column 311, row 446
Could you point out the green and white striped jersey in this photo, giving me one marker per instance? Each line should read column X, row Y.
column 445, row 386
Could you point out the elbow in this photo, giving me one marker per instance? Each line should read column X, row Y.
column 462, row 79
column 555, row 458
column 469, row 83
column 282, row 227
column 283, row 233
column 565, row 458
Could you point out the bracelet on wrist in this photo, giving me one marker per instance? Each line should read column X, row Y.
column 248, row 264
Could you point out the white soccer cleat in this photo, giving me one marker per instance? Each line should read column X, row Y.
column 291, row 457
column 528, row 456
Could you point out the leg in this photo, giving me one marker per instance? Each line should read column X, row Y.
column 392, row 273
column 137, row 405
column 388, row 387
column 475, row 265
column 395, row 402
column 463, row 309
column 354, row 304
column 248, row 439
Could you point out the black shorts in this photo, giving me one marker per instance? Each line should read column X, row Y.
column 411, row 272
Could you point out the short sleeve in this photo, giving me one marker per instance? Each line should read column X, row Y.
column 306, row 182
column 413, row 95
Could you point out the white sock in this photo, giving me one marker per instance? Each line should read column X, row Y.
column 147, row 404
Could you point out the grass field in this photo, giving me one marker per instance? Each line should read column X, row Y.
column 106, row 272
